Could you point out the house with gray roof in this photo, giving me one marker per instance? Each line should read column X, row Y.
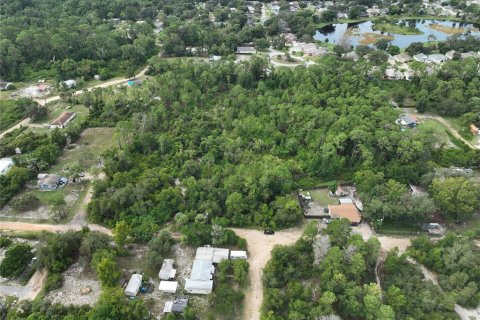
column 408, row 120
column 421, row 57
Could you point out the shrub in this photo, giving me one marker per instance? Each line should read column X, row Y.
column 54, row 281
column 5, row 242
column 25, row 202
column 16, row 260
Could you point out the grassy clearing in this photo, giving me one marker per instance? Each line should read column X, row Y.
column 321, row 197
column 464, row 130
column 371, row 38
column 398, row 228
column 56, row 108
column 91, row 144
column 434, row 128
column 396, row 29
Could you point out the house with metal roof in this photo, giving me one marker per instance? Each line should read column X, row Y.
column 133, row 285
column 176, row 306
column 212, row 254
column 408, row 120
column 201, row 277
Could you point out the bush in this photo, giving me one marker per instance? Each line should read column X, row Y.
column 5, row 242
column 25, row 202
column 54, row 281
column 16, row 260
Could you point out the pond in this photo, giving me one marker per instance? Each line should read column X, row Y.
column 362, row 33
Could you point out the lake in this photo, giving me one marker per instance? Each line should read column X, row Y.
column 356, row 32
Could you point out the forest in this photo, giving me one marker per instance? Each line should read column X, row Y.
column 232, row 141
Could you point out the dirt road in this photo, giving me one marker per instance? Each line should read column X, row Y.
column 259, row 249
column 101, row 85
column 25, row 122
column 448, row 126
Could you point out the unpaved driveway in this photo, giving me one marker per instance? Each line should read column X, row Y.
column 29, row 291
column 259, row 250
column 387, row 242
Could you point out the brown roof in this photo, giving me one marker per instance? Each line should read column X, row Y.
column 345, row 210
column 63, row 118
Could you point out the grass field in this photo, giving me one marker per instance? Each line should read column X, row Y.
column 389, row 227
column 91, row 144
column 55, row 109
column 321, row 197
column 396, row 29
column 434, row 128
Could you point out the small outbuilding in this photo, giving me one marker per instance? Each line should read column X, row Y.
column 168, row 286
column 237, row 254
column 176, row 306
column 5, row 165
column 198, row 286
column 167, row 272
column 69, row 83
column 133, row 285
column 246, row 50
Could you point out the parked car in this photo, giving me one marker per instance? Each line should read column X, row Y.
column 268, row 231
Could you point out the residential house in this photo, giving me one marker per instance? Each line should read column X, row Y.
column 176, row 306
column 407, row 120
column 437, row 58
column 42, row 87
column 69, row 83
column 133, row 285
column 290, row 37
column 341, row 192
column 5, row 165
column 51, row 182
column 421, row 57
column 450, row 54
column 62, row 120
column 212, row 254
column 352, row 55
column 201, row 277
column 469, row 54
column 402, row 58
column 475, row 131
column 345, row 210
column 393, row 74
column 312, row 50
column 246, row 50
column 167, row 272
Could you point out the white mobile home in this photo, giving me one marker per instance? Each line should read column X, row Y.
column 133, row 285
column 234, row 254
column 167, row 272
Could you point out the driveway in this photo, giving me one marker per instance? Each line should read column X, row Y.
column 259, row 249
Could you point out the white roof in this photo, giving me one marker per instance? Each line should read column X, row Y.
column 198, row 286
column 168, row 307
column 133, row 285
column 238, row 254
column 213, row 254
column 202, row 270
column 168, row 286
column 5, row 164
column 166, row 269
column 346, row 200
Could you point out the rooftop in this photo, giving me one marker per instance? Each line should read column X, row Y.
column 202, row 270
column 63, row 118
column 345, row 210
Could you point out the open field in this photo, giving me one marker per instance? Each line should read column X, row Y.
column 433, row 128
column 86, row 150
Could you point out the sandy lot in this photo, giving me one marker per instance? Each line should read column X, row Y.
column 76, row 278
column 259, row 251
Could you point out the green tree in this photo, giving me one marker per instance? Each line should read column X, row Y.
column 121, row 233
column 17, row 259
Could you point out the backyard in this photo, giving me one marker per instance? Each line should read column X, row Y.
column 322, row 197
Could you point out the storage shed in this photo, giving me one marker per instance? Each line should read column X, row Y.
column 168, row 286
column 198, row 286
column 167, row 272
column 235, row 254
column 133, row 285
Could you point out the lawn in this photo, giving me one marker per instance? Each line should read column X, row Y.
column 398, row 228
column 87, row 149
column 55, row 109
column 396, row 29
column 321, row 197
column 435, row 129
